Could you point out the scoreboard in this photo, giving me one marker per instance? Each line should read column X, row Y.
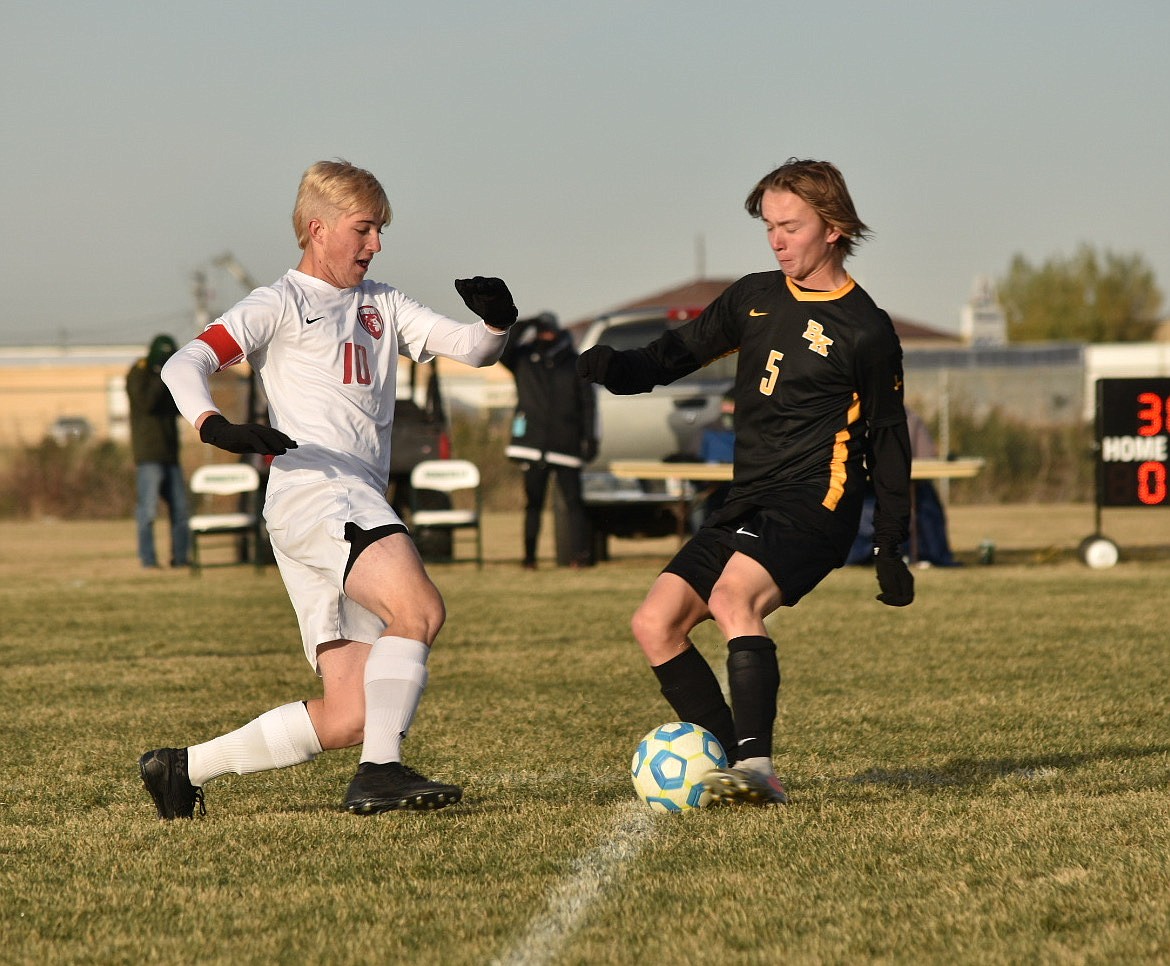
column 1133, row 442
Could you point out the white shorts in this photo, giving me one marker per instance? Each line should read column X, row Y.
column 307, row 525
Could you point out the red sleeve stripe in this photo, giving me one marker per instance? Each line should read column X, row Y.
column 226, row 349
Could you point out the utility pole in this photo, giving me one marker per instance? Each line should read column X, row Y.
column 202, row 307
column 700, row 257
column 229, row 263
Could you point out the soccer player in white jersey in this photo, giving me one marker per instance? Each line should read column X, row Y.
column 325, row 341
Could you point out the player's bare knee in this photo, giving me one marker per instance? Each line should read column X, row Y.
column 433, row 616
column 420, row 623
column 433, row 624
column 645, row 625
column 726, row 606
column 656, row 633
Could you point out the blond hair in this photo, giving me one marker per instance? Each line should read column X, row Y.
column 330, row 189
column 821, row 186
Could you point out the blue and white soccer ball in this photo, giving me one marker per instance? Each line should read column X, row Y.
column 669, row 763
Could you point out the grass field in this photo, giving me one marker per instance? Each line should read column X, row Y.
column 983, row 777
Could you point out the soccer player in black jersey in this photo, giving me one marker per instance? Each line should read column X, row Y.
column 818, row 407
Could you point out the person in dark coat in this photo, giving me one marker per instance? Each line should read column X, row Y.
column 154, row 439
column 931, row 542
column 554, row 430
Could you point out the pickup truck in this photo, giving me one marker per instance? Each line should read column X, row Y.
column 661, row 425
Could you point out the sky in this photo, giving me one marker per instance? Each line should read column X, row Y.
column 588, row 153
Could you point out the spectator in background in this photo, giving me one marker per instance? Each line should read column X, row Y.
column 930, row 519
column 716, row 445
column 717, row 441
column 154, row 439
column 931, row 545
column 554, row 429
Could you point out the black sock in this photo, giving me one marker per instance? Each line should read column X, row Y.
column 753, row 678
column 690, row 686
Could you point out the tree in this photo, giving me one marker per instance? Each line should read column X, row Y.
column 1084, row 298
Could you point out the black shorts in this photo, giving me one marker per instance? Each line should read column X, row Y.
column 796, row 557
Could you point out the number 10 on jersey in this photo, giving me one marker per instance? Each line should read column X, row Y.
column 357, row 365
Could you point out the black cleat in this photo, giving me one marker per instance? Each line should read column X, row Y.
column 164, row 773
column 385, row 788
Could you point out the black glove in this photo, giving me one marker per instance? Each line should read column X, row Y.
column 593, row 364
column 894, row 578
column 588, row 450
column 488, row 298
column 244, row 437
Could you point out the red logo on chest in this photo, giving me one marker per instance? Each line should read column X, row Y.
column 371, row 320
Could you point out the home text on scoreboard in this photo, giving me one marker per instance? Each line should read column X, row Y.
column 1133, row 442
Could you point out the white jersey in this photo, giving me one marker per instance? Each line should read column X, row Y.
column 328, row 360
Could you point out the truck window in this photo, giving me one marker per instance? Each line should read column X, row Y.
column 634, row 335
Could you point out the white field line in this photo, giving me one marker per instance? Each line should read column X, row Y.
column 570, row 902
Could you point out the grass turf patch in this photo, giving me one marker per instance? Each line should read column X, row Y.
column 982, row 777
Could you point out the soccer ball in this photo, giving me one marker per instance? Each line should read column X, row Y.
column 669, row 763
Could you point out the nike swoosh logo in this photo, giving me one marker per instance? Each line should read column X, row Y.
column 311, row 321
column 754, row 314
column 747, row 533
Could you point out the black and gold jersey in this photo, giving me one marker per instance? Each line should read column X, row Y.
column 818, row 393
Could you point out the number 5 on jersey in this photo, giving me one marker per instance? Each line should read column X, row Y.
column 768, row 383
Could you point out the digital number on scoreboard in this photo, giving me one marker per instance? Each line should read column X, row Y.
column 1133, row 442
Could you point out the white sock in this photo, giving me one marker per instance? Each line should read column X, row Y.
column 396, row 675
column 761, row 766
column 278, row 738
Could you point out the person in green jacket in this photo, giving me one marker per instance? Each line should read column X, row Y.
column 154, row 437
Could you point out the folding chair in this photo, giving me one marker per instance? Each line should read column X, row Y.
column 222, row 480
column 449, row 477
